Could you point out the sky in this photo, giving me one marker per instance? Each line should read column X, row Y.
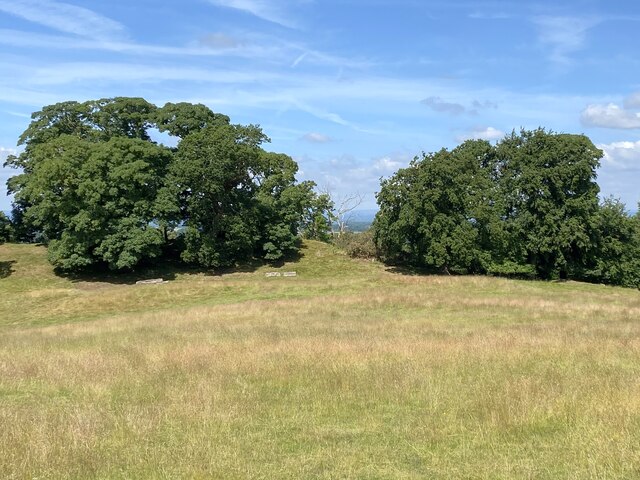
column 351, row 89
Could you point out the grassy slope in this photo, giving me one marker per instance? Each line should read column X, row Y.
column 345, row 371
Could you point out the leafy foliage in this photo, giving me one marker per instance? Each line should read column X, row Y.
column 99, row 190
column 357, row 244
column 617, row 258
column 95, row 200
column 550, row 200
column 525, row 207
column 436, row 213
column 6, row 228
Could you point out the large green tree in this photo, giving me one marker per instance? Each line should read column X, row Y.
column 550, row 200
column 616, row 257
column 527, row 206
column 95, row 201
column 236, row 199
column 97, row 188
column 437, row 212
column 89, row 181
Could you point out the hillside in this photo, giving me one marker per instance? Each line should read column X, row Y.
column 348, row 370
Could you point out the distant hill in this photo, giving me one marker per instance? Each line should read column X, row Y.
column 361, row 220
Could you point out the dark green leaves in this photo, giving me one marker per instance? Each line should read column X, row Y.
column 525, row 207
column 98, row 189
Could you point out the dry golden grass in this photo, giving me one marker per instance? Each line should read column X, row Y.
column 346, row 371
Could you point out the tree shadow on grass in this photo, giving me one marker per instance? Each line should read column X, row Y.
column 6, row 268
column 168, row 269
column 415, row 271
column 250, row 266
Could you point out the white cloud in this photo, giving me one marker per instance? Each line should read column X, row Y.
column 619, row 171
column 264, row 9
column 609, row 116
column 488, row 133
column 563, row 35
column 64, row 17
column 388, row 165
column 314, row 137
column 625, row 155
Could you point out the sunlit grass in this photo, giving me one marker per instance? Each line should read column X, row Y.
column 345, row 371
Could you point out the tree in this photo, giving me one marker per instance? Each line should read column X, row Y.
column 181, row 119
column 616, row 258
column 317, row 218
column 527, row 206
column 211, row 175
column 436, row 213
column 343, row 208
column 120, row 117
column 282, row 204
column 98, row 189
column 95, row 201
column 550, row 199
column 89, row 181
column 6, row 229
column 237, row 200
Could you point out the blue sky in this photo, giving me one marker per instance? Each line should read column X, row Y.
column 351, row 89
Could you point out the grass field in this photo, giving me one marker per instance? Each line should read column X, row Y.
column 346, row 371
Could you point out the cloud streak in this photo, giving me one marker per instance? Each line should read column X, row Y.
column 64, row 17
column 563, row 35
column 265, row 9
column 314, row 137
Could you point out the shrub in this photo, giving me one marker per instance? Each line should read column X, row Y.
column 357, row 244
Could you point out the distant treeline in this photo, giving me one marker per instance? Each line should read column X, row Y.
column 527, row 207
column 99, row 191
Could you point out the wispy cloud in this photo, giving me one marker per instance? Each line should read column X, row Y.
column 326, row 115
column 437, row 104
column 564, row 35
column 268, row 10
column 66, row 73
column 204, row 47
column 64, row 17
column 315, row 137
column 261, row 48
column 490, row 16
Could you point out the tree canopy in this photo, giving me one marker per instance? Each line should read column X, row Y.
column 527, row 206
column 100, row 190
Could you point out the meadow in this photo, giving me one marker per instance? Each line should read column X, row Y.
column 348, row 370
